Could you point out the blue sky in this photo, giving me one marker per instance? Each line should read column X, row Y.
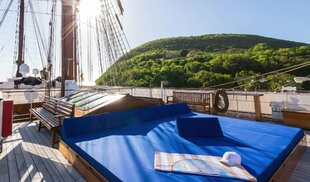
column 146, row 20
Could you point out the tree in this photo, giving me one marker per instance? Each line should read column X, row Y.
column 175, row 75
column 260, row 47
column 193, row 67
column 247, row 80
column 218, row 59
column 208, row 79
column 183, row 52
column 276, row 82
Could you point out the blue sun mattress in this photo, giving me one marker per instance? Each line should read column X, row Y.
column 121, row 145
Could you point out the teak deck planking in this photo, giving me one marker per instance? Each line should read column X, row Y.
column 27, row 156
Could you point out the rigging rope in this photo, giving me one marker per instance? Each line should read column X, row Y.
column 33, row 63
column 38, row 43
column 81, row 22
column 264, row 74
column 111, row 40
column 289, row 84
column 38, row 31
column 106, row 36
column 80, row 50
column 112, row 35
column 89, row 54
column 5, row 12
column 99, row 47
column 51, row 41
column 281, row 73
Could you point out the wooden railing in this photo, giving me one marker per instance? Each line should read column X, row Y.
column 192, row 99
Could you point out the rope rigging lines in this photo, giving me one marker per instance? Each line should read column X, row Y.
column 6, row 12
column 51, row 40
column 89, row 51
column 99, row 48
column 276, row 72
column 282, row 71
column 38, row 35
column 110, row 31
column 79, row 50
column 104, row 34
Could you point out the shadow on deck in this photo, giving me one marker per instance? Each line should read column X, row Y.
column 301, row 172
column 27, row 156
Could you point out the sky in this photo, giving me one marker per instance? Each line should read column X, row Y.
column 146, row 20
column 7, row 36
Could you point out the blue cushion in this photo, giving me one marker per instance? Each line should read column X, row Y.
column 127, row 153
column 98, row 123
column 199, row 127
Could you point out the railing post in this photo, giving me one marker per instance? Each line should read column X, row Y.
column 257, row 106
column 213, row 110
column 162, row 90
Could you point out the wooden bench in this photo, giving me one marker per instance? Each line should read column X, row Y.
column 51, row 114
column 192, row 99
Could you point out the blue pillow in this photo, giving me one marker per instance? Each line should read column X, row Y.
column 199, row 127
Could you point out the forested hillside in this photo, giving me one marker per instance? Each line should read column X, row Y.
column 209, row 60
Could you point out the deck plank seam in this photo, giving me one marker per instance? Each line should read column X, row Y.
column 71, row 170
column 48, row 163
column 39, row 162
column 57, row 163
column 34, row 173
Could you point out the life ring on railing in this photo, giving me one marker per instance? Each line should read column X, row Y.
column 221, row 102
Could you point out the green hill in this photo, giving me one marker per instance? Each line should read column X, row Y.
column 211, row 42
column 203, row 61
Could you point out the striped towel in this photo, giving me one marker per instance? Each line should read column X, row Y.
column 199, row 164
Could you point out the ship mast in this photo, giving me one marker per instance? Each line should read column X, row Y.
column 68, row 38
column 20, row 37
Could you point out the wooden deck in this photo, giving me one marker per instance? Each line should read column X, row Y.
column 301, row 172
column 27, row 156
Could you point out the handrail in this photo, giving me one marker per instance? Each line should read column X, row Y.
column 35, row 90
column 228, row 93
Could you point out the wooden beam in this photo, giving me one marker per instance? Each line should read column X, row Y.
column 20, row 59
column 258, row 110
column 68, row 28
column 213, row 110
column 296, row 118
